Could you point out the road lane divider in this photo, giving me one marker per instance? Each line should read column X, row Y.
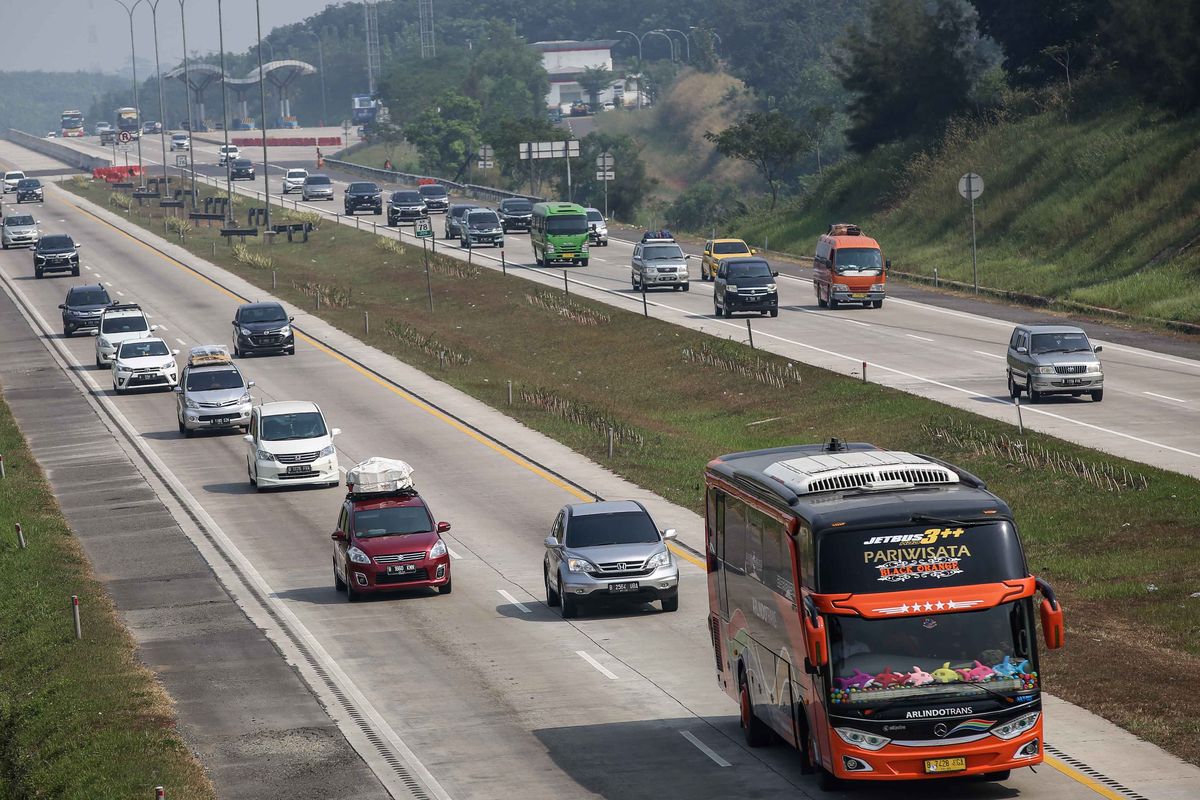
column 599, row 667
column 524, row 609
column 703, row 748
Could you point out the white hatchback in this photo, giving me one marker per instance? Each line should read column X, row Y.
column 144, row 364
column 290, row 444
column 119, row 323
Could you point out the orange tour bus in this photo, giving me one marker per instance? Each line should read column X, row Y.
column 874, row 609
column 849, row 267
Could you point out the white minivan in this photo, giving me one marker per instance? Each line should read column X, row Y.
column 293, row 180
column 227, row 154
column 290, row 444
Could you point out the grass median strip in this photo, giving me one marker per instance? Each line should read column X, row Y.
column 78, row 718
column 1115, row 537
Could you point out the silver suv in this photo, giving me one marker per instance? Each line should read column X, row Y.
column 658, row 263
column 608, row 550
column 1053, row 359
column 211, row 392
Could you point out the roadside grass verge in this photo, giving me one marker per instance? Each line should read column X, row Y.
column 403, row 156
column 78, row 719
column 1103, row 531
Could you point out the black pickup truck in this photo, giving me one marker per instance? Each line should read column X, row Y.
column 364, row 195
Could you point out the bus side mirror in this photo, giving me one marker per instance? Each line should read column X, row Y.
column 887, row 264
column 1052, row 616
column 815, row 645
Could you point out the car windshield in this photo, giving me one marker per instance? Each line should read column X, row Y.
column 660, row 251
column 1061, row 343
column 296, row 173
column 143, row 349
column 211, row 380
column 285, row 427
column 15, row 221
column 28, row 183
column 88, row 297
column 567, row 224
column 726, row 248
column 55, row 243
column 517, row 206
column 859, row 259
column 594, row 216
column 317, row 179
column 242, row 162
column 364, row 188
column 753, row 269
column 392, row 521
column 930, row 658
column 482, row 218
column 124, row 325
column 263, row 314
column 12, row 176
column 432, row 191
column 621, row 527
column 406, row 197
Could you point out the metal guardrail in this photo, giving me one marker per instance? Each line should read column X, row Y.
column 466, row 189
column 48, row 147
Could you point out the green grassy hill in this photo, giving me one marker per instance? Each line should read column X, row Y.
column 1101, row 208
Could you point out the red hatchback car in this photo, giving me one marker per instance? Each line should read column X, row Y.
column 388, row 541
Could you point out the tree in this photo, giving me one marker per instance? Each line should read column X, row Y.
column 1038, row 36
column 447, row 134
column 505, row 134
column 704, row 51
column 631, row 184
column 770, row 141
column 914, row 66
column 1155, row 45
column 506, row 76
column 594, row 80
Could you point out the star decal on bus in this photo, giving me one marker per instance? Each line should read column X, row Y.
column 929, row 605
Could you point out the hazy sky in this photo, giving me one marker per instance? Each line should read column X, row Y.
column 93, row 35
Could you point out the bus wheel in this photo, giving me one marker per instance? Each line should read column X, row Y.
column 756, row 732
column 820, row 300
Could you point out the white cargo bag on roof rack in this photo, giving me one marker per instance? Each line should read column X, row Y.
column 208, row 354
column 378, row 474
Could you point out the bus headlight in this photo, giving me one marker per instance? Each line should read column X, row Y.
column 1014, row 728
column 867, row 741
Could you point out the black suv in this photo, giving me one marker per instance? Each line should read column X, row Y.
column 745, row 284
column 262, row 328
column 406, row 205
column 29, row 189
column 242, row 168
column 83, row 306
column 454, row 219
column 364, row 195
column 437, row 199
column 57, row 253
column 516, row 214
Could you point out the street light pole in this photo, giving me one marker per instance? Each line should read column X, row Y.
column 162, row 114
column 133, row 65
column 187, row 92
column 225, row 112
column 670, row 41
column 262, row 104
column 641, row 64
column 686, row 43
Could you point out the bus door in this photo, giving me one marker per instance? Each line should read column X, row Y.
column 716, row 509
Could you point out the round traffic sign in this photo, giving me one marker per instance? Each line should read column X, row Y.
column 124, row 137
column 970, row 186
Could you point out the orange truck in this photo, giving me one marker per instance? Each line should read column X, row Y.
column 849, row 268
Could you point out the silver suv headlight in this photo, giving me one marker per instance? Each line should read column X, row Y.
column 581, row 565
column 243, row 399
column 659, row 559
column 358, row 556
column 190, row 403
column 1044, row 370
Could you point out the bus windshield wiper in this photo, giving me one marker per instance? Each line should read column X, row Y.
column 947, row 520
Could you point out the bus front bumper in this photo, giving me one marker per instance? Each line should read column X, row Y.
column 898, row 762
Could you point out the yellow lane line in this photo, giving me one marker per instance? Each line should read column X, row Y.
column 679, row 551
column 1076, row 775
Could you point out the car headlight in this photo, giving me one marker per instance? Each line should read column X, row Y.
column 103, row 342
column 286, row 330
column 659, row 559
column 878, row 287
column 1016, row 727
column 264, row 455
column 770, row 287
column 245, row 331
column 867, row 741
column 190, row 403
column 549, row 248
column 243, row 399
column 580, row 565
column 358, row 556
column 327, row 450
column 841, row 287
column 1044, row 370
column 731, row 287
column 438, row 550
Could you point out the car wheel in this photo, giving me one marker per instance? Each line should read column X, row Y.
column 352, row 595
column 250, row 477
column 833, row 302
column 463, row 243
column 1097, row 395
column 570, row 606
column 670, row 603
column 726, row 311
column 38, row 274
column 4, row 245
column 763, row 313
column 820, row 300
column 774, row 312
column 116, row 389
column 687, row 287
column 447, row 587
column 552, row 598
column 756, row 732
column 236, row 352
column 716, row 309
column 68, row 330
column 75, row 272
column 583, row 262
column 339, row 585
column 1014, row 391
column 876, row 304
column 1034, row 396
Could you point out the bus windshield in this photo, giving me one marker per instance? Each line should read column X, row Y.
column 859, row 260
column 931, row 658
column 567, row 224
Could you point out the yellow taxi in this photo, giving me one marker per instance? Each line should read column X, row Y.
column 717, row 249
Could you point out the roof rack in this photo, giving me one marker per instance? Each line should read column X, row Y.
column 379, row 477
column 123, row 307
column 208, row 355
column 837, row 469
column 844, row 229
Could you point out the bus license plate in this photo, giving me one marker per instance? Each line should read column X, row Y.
column 940, row 765
column 568, row 255
column 396, row 569
column 298, row 468
column 858, row 295
column 628, row 586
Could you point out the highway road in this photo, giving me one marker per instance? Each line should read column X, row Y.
column 485, row 693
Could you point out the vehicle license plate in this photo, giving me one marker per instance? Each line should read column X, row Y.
column 220, row 420
column 940, row 765
column 295, row 468
column 752, row 299
column 859, row 295
column 396, row 569
column 627, row 586
column 568, row 255
column 1073, row 381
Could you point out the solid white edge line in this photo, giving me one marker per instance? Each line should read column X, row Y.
column 599, row 667
column 703, row 748
column 223, row 545
column 524, row 608
column 1165, row 397
column 985, row 353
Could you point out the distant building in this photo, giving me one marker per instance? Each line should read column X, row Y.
column 565, row 60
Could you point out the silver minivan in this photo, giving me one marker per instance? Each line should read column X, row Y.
column 1053, row 359
column 608, row 551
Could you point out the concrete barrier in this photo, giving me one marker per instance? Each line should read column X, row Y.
column 49, row 147
column 391, row 176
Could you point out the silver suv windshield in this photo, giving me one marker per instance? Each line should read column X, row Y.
column 1060, row 343
column 661, row 251
column 213, row 380
column 622, row 527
